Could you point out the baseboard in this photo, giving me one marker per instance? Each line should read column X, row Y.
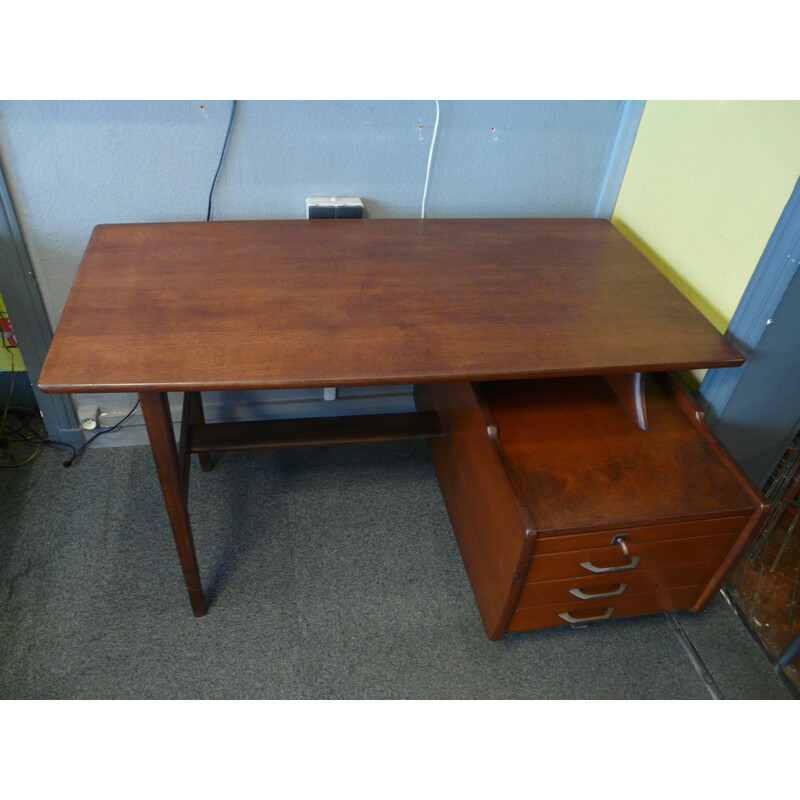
column 247, row 406
column 16, row 390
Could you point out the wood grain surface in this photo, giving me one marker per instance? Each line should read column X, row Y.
column 278, row 304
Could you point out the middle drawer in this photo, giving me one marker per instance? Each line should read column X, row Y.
column 592, row 587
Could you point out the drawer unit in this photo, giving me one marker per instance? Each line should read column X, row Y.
column 567, row 511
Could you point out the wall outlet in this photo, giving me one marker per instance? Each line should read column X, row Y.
column 334, row 208
column 90, row 418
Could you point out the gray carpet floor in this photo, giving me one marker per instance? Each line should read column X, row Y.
column 330, row 573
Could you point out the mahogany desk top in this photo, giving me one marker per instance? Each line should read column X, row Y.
column 195, row 306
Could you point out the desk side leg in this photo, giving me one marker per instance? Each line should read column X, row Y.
column 157, row 418
column 198, row 418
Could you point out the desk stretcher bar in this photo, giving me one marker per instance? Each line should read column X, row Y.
column 269, row 434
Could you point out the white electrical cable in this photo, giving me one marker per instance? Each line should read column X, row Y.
column 430, row 160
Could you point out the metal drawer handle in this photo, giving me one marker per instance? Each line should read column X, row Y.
column 631, row 565
column 579, row 620
column 583, row 596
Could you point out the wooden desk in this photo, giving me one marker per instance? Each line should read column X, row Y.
column 362, row 302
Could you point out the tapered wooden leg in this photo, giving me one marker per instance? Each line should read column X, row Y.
column 158, row 420
column 198, row 418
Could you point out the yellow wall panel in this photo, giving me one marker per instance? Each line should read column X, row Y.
column 703, row 190
column 5, row 355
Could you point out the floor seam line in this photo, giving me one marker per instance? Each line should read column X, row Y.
column 694, row 656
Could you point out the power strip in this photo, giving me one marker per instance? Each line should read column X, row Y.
column 334, row 208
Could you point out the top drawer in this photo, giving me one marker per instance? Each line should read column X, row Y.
column 581, row 463
column 641, row 534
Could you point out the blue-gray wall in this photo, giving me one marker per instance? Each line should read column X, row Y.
column 72, row 165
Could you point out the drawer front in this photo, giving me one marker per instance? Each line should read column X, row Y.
column 591, row 588
column 647, row 533
column 617, row 565
column 578, row 613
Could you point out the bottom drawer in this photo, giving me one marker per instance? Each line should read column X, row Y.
column 582, row 612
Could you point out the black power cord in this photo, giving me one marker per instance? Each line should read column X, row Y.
column 22, row 432
column 221, row 159
column 18, row 429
